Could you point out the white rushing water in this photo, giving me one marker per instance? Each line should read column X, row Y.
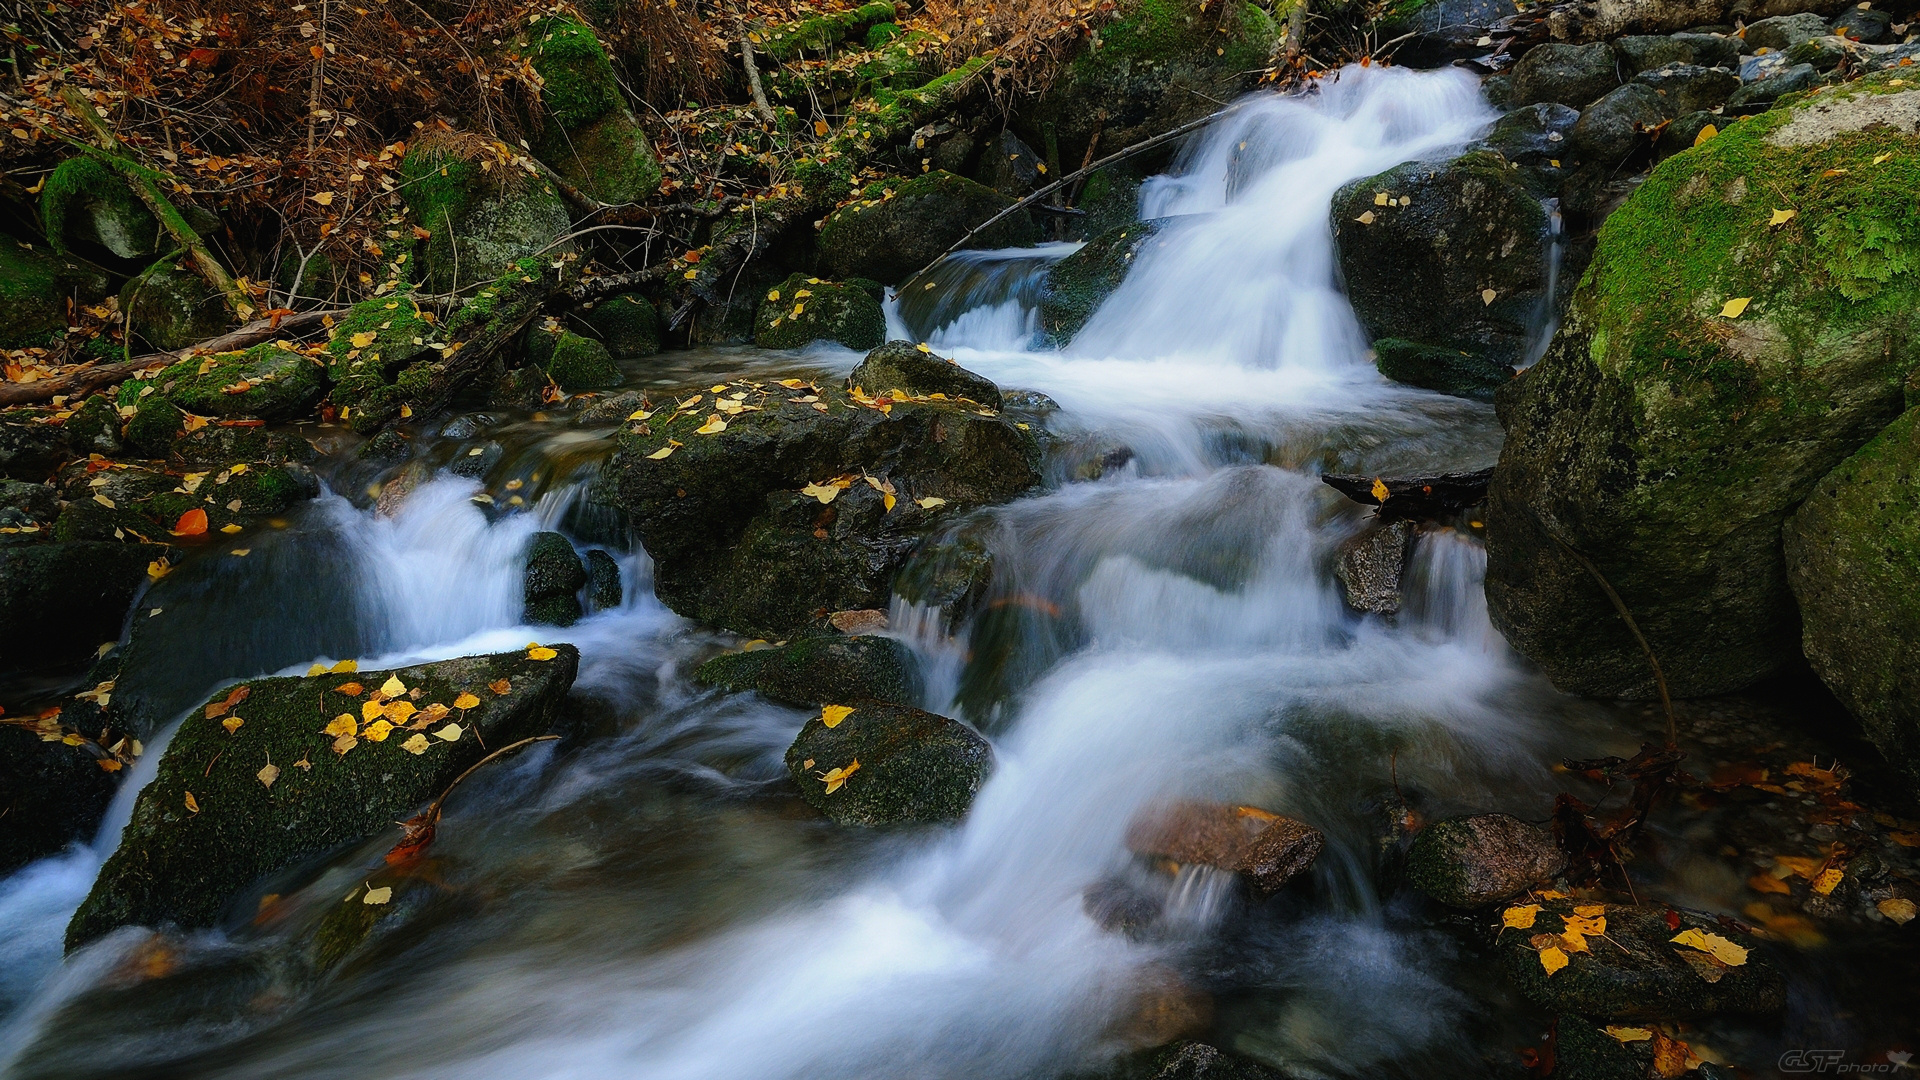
column 1169, row 631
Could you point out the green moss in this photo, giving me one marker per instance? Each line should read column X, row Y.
column 34, row 287
column 821, row 32
column 888, row 237
column 578, row 82
column 439, row 184
column 1155, row 32
column 148, row 503
column 1435, row 367
column 880, row 33
column 478, row 222
column 581, row 363
column 85, row 200
column 174, row 307
column 821, row 670
column 1077, row 285
column 627, row 324
column 281, row 384
column 914, row 766
column 827, row 310
column 153, row 426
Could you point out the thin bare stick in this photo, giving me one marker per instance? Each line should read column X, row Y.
column 760, row 104
column 509, row 748
column 1619, row 605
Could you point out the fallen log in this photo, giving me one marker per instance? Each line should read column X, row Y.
column 1413, row 498
column 87, row 380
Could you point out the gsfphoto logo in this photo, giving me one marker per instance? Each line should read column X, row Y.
column 1835, row 1061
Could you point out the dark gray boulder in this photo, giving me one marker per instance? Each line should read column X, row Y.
column 1644, row 52
column 553, row 580
column 1783, row 32
column 1077, row 285
column 821, row 670
column 902, row 365
column 1759, row 95
column 1867, row 25
column 895, row 232
column 1690, row 87
column 887, row 764
column 1574, row 75
column 1483, row 859
column 1534, row 137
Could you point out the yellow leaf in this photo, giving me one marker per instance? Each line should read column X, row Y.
column 158, row 569
column 1828, row 880
column 1629, row 1034
column 1712, row 944
column 1586, row 926
column 661, row 454
column 432, row 714
column 713, row 426
column 929, row 502
column 193, row 804
column 240, row 553
column 501, row 687
column 1380, row 492
column 826, row 493
column 465, row 701
column 1735, row 306
column 1706, row 133
column 372, row 709
column 1366, row 218
column 416, row 744
column 1880, row 158
column 831, row 715
column 773, row 297
column 1781, row 217
column 317, row 669
column 1590, row 909
column 1520, row 916
column 378, row 731
column 541, row 652
column 1552, row 959
column 344, row 724
column 345, row 667
column 345, row 743
column 351, row 689
column 378, row 896
column 1487, row 296
column 820, row 127
column 230, row 529
column 325, row 198
column 888, row 500
column 1900, row 909
column 1380, row 198
column 640, row 414
column 232, row 724
column 363, row 339
column 450, row 733
column 837, row 778
column 393, row 687
column 797, row 309
column 268, row 774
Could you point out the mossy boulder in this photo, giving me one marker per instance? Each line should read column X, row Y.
column 87, row 205
column 580, row 363
column 128, row 502
column 897, row 230
column 480, row 221
column 267, row 381
column 768, row 521
column 220, row 446
column 627, row 324
column 203, row 833
column 1434, row 367
column 33, row 443
column 174, row 307
column 1481, row 859
column 1853, row 560
column 820, row 32
column 1636, row 971
column 821, row 670
column 378, row 356
column 51, row 794
column 59, row 602
column 1077, row 285
column 802, row 310
column 553, row 580
column 1668, row 442
column 894, row 764
column 1449, row 253
column 35, row 287
column 591, row 139
column 902, row 365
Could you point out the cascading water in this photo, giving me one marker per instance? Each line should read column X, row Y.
column 1168, row 631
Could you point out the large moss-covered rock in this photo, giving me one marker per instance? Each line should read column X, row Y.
column 888, row 764
column 211, row 824
column 1434, row 367
column 128, row 502
column 174, row 307
column 480, row 221
column 821, row 670
column 380, row 356
column 591, row 138
column 51, row 794
column 580, row 363
column 35, row 287
column 553, row 580
column 1853, row 560
column 1077, row 285
column 768, row 521
column 1636, row 971
column 1668, row 442
column 802, row 310
column 627, row 324
column 888, row 237
column 1451, row 253
column 59, row 602
column 902, row 365
column 1572, row 75
column 86, row 204
column 268, row 381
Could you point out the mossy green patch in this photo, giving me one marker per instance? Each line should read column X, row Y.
column 34, row 289
column 580, row 363
column 85, row 201
column 266, row 381
column 626, row 323
column 802, row 310
column 821, row 670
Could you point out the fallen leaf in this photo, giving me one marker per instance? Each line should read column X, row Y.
column 1669, row 1057
column 363, row 339
column 1900, row 909
column 345, row 743
column 1552, row 959
column 1629, row 1034
column 540, row 652
column 1733, row 308
column 826, row 493
column 344, row 667
column 378, row 731
column 661, row 454
column 1520, row 916
column 393, row 687
column 268, row 774
column 191, row 523
column 1706, row 133
column 500, row 686
column 1586, row 926
column 240, row 553
column 713, row 426
column 1380, row 492
column 450, row 733
column 232, row 724
column 378, row 896
column 415, row 744
column 1781, row 217
column 193, row 804
column 1828, row 880
column 831, row 715
column 351, row 689
column 344, row 724
column 1767, row 883
column 1713, row 944
column 372, row 709
column 929, row 502
column 1366, row 218
column 1487, row 296
column 837, row 778
column 465, row 701
column 1381, row 198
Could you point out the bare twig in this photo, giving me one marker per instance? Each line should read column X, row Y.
column 1619, row 605
column 760, row 104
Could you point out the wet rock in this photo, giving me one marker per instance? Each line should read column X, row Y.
column 33, row 502
column 1668, row 443
column 855, row 623
column 802, row 310
column 34, row 288
column 1433, row 367
column 1451, row 254
column 87, row 205
column 389, row 447
column 1010, row 166
column 1638, row 53
column 378, row 358
column 607, row 412
column 1823, row 54
column 154, row 426
column 603, row 581
column 1120, row 906
column 1636, row 971
column 1783, row 32
column 1483, row 859
column 480, row 221
column 767, row 522
column 1615, row 132
column 554, row 578
column 1575, row 75
column 1583, row 1051
column 51, row 794
column 1534, row 137
column 395, row 492
column 33, row 443
column 912, row 766
column 889, row 238
column 1864, row 24
column 1760, row 94
column 1690, row 87
column 592, row 140
column 902, row 365
column 626, row 323
column 1163, row 1007
column 174, row 307
column 952, row 577
column 59, row 602
column 1368, row 567
column 1683, row 132
column 266, row 382
column 1266, row 848
column 1199, row 1061
column 820, row 671
column 220, row 446
column 580, row 363
column 1851, row 552
column 209, row 826
column 94, row 427
column 1077, row 285
column 128, row 502
column 1415, row 497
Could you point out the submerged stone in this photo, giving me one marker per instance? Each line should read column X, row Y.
column 889, row 764
column 210, row 824
column 1267, row 848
